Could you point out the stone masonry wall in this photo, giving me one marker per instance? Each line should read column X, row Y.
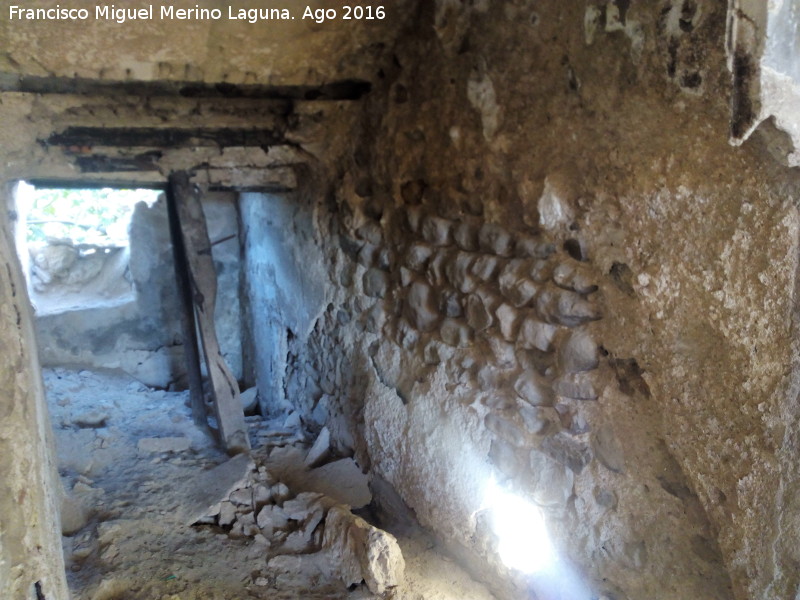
column 553, row 269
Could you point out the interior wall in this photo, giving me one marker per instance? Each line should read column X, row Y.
column 143, row 337
column 30, row 527
column 516, row 158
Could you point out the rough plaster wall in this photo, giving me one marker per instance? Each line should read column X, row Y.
column 697, row 315
column 232, row 51
column 30, row 529
column 143, row 337
column 284, row 284
column 659, row 438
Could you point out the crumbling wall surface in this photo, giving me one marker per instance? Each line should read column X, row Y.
column 143, row 337
column 556, row 271
column 285, row 281
column 30, row 529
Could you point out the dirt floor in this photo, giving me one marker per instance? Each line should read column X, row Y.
column 138, row 474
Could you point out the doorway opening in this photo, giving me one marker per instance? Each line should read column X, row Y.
column 74, row 245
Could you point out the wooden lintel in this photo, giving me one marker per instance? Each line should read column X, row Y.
column 346, row 89
column 80, row 138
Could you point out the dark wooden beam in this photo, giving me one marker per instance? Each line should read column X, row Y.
column 151, row 137
column 347, row 89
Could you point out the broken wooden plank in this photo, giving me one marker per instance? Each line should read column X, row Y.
column 189, row 327
column 346, row 89
column 164, row 137
column 224, row 389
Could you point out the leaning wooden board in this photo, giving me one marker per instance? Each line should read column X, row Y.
column 203, row 277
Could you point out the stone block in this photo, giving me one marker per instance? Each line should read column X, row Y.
column 578, row 353
column 539, row 420
column 456, row 333
column 504, row 457
column 436, row 231
column 552, row 482
column 532, row 388
column 478, row 317
column 568, row 451
column 533, row 247
column 466, row 237
column 420, row 307
column 536, row 334
column 504, row 427
column 495, row 239
column 458, row 272
column 366, row 553
column 578, row 386
column 508, row 318
column 320, row 449
column 371, row 233
column 575, row 277
column 485, row 266
column 574, row 310
column 367, row 255
column 436, row 273
column 450, row 303
column 417, row 256
column 376, row 283
column 608, row 449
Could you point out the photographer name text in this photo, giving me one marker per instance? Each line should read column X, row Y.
column 113, row 13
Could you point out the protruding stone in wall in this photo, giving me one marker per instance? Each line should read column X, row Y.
column 551, row 481
column 477, row 316
column 495, row 239
column 572, row 276
column 608, row 449
column 420, row 307
column 466, row 237
column 578, row 386
column 436, row 231
column 568, row 451
column 456, row 333
column 504, row 457
column 535, row 334
column 375, row 282
column 533, row 389
column 508, row 319
column 417, row 257
column 503, row 426
column 578, row 353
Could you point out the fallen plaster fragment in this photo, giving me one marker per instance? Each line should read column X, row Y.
column 216, row 485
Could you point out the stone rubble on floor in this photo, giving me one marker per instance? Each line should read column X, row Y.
column 307, row 531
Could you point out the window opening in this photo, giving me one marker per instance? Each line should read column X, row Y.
column 75, row 245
